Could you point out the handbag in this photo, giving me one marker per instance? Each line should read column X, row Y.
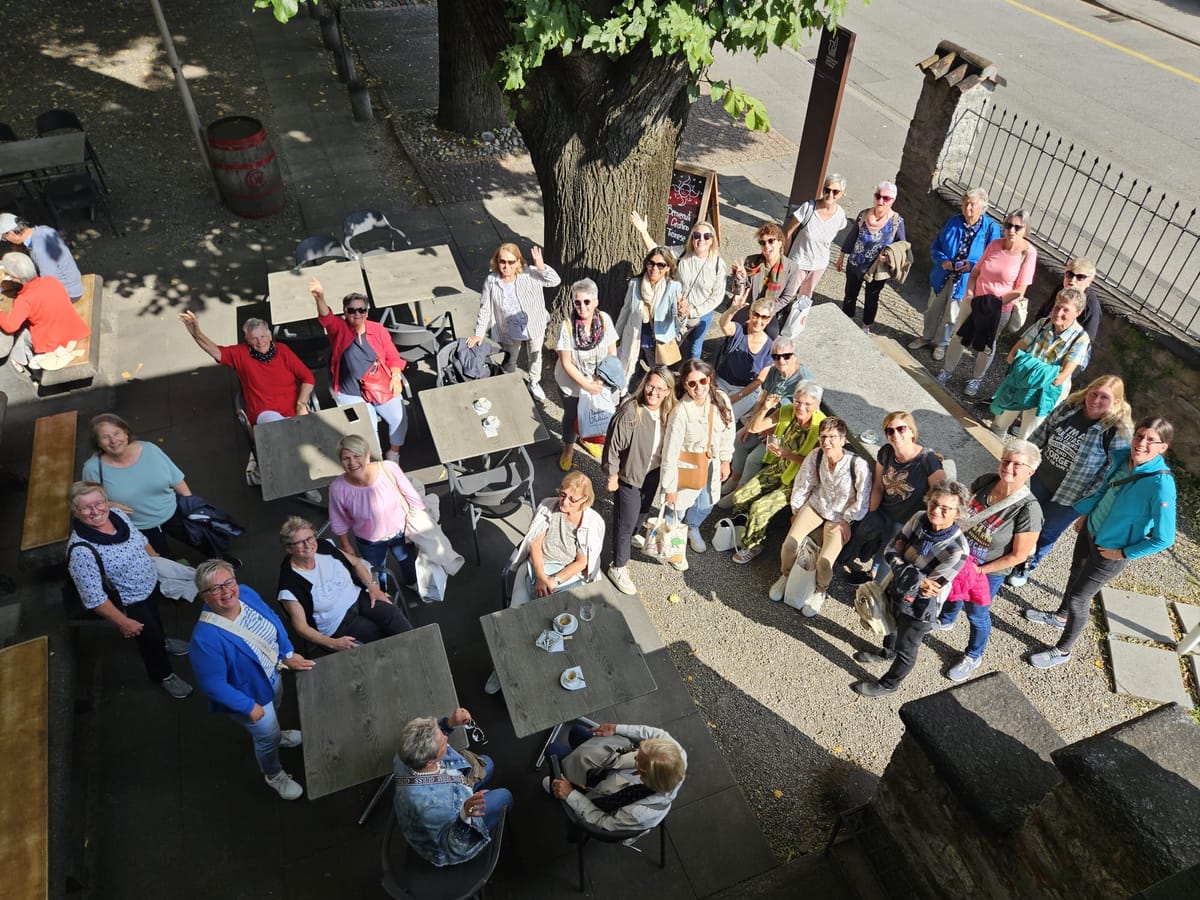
column 729, row 533
column 595, row 412
column 666, row 540
column 666, row 353
column 693, row 464
column 797, row 318
column 376, row 385
column 802, row 579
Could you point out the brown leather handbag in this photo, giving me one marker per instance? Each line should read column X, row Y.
column 693, row 464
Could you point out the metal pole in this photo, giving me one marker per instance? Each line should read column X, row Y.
column 185, row 94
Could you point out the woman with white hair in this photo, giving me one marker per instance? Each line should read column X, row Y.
column 586, row 336
column 874, row 228
column 814, row 225
column 42, row 328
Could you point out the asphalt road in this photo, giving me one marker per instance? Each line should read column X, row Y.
column 1123, row 90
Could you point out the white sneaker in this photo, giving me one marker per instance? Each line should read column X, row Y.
column 964, row 669
column 493, row 684
column 619, row 576
column 314, row 497
column 777, row 588
column 681, row 565
column 696, row 540
column 290, row 738
column 536, row 390
column 638, row 542
column 814, row 604
column 939, row 353
column 284, row 786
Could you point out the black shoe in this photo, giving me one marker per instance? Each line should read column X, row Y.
column 858, row 577
column 871, row 689
column 871, row 658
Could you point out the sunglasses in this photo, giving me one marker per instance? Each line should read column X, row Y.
column 653, row 264
column 834, row 191
column 696, row 382
column 884, row 198
column 585, row 302
column 755, row 315
column 938, row 507
column 1076, row 276
column 779, row 356
column 765, row 241
column 1013, row 226
column 895, row 429
column 506, row 262
column 702, row 235
column 356, row 310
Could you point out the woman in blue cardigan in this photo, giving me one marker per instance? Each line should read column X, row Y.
column 238, row 649
column 1131, row 515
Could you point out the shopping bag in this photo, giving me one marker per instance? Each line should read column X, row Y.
column 728, row 535
column 666, row 537
column 802, row 579
column 797, row 318
column 595, row 412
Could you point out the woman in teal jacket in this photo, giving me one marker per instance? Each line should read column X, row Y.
column 1132, row 515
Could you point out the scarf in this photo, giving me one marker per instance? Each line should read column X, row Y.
column 772, row 282
column 263, row 357
column 587, row 336
column 650, row 294
column 624, row 797
column 95, row 536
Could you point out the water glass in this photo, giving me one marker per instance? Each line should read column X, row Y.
column 587, row 610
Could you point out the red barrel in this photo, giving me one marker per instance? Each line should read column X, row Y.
column 245, row 166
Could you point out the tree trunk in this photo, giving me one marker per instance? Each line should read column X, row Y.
column 469, row 98
column 603, row 136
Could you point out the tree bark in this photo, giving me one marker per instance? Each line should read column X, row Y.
column 469, row 98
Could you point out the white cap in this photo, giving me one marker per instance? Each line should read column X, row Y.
column 8, row 222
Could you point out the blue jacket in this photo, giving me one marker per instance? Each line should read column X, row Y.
column 946, row 245
column 1142, row 520
column 227, row 669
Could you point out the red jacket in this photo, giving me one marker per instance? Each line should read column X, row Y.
column 44, row 306
column 341, row 334
column 268, row 386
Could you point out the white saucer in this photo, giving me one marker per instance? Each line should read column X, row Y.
column 577, row 684
column 570, row 628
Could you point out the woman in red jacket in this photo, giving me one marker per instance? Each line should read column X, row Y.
column 43, row 323
column 356, row 345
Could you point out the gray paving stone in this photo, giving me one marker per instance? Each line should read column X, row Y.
column 1137, row 616
column 1193, row 662
column 1189, row 615
column 1148, row 672
column 741, row 853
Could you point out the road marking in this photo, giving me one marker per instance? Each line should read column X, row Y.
column 1107, row 43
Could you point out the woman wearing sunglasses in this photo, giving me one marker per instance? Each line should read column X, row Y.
column 904, row 473
column 702, row 423
column 874, row 228
column 356, row 345
column 512, row 307
column 702, row 273
column 810, row 234
column 585, row 337
column 650, row 317
column 746, row 359
column 767, row 275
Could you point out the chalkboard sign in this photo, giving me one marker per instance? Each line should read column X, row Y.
column 693, row 192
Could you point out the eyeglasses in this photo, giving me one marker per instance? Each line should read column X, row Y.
column 942, row 508
column 1076, row 276
column 656, row 264
column 356, row 310
column 766, row 241
column 778, row 356
column 583, row 302
column 696, row 382
column 222, row 588
column 1013, row 226
column 702, row 235
column 1143, row 438
column 103, row 504
column 834, row 191
column 475, row 732
column 1013, row 464
column 300, row 542
column 884, row 198
column 567, row 498
column 830, row 436
column 895, row 429
column 506, row 262
column 651, row 389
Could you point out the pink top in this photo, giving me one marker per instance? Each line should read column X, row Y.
column 1001, row 274
column 373, row 512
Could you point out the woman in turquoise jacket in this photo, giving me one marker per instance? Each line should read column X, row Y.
column 1132, row 515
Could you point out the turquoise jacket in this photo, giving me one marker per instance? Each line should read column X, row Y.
column 1142, row 520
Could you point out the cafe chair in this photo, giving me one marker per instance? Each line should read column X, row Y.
column 412, row 878
column 586, row 832
column 55, row 120
column 77, row 191
column 495, row 492
column 413, row 342
column 374, row 234
column 320, row 248
column 450, row 371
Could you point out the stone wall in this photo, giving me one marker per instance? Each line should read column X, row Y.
column 982, row 799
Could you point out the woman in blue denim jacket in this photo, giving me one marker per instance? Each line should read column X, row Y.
column 444, row 815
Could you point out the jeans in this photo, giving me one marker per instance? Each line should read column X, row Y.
column 902, row 646
column 980, row 618
column 1056, row 519
column 941, row 313
column 533, row 352
column 525, row 583
column 265, row 732
column 375, row 553
column 495, row 800
column 870, row 300
column 631, row 505
column 1089, row 572
column 703, row 504
column 152, row 642
column 692, row 344
column 367, row 623
column 391, row 412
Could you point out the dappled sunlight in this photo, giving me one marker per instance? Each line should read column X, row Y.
column 137, row 64
column 300, row 137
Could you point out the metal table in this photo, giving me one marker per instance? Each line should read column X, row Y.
column 410, row 276
column 457, row 429
column 26, row 161
column 289, row 296
column 298, row 454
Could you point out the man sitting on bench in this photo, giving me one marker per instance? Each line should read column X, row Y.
column 48, row 250
column 41, row 330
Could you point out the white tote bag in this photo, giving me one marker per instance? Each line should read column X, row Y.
column 797, row 318
column 728, row 535
column 595, row 412
column 802, row 579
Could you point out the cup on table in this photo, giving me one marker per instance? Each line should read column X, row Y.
column 587, row 610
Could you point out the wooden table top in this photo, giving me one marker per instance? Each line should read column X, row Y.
column 457, row 429
column 289, row 296
column 354, row 703
column 410, row 276
column 24, row 802
column 55, row 151
column 300, row 453
column 605, row 649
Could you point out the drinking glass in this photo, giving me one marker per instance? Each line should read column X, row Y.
column 587, row 610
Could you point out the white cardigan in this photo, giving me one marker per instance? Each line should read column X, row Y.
column 529, row 287
column 590, row 535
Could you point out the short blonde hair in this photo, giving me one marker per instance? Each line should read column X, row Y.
column 79, row 488
column 579, row 484
column 664, row 766
column 902, row 415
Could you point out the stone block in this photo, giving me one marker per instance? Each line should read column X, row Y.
column 1137, row 615
column 1189, row 615
column 990, row 745
column 1148, row 672
column 1142, row 779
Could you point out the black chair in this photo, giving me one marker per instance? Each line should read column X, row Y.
column 76, row 192
column 412, row 878
column 320, row 248
column 495, row 492
column 413, row 342
column 374, row 232
column 55, row 120
column 587, row 832
column 7, row 133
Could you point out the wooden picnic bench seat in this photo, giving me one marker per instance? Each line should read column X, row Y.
column 24, row 798
column 82, row 370
column 51, row 471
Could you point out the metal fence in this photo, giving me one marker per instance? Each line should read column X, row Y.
column 1146, row 246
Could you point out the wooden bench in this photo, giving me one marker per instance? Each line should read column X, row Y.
column 82, row 370
column 24, row 799
column 51, row 471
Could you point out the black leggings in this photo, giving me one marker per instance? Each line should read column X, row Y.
column 366, row 623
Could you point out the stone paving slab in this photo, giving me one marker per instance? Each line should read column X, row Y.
column 1137, row 616
column 1189, row 615
column 1148, row 672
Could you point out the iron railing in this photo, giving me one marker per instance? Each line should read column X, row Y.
column 1146, row 246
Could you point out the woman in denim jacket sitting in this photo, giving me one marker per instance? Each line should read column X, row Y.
column 444, row 815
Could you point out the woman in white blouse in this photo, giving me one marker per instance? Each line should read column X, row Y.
column 702, row 274
column 585, row 337
column 512, row 308
column 810, row 234
column 702, row 422
column 831, row 491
